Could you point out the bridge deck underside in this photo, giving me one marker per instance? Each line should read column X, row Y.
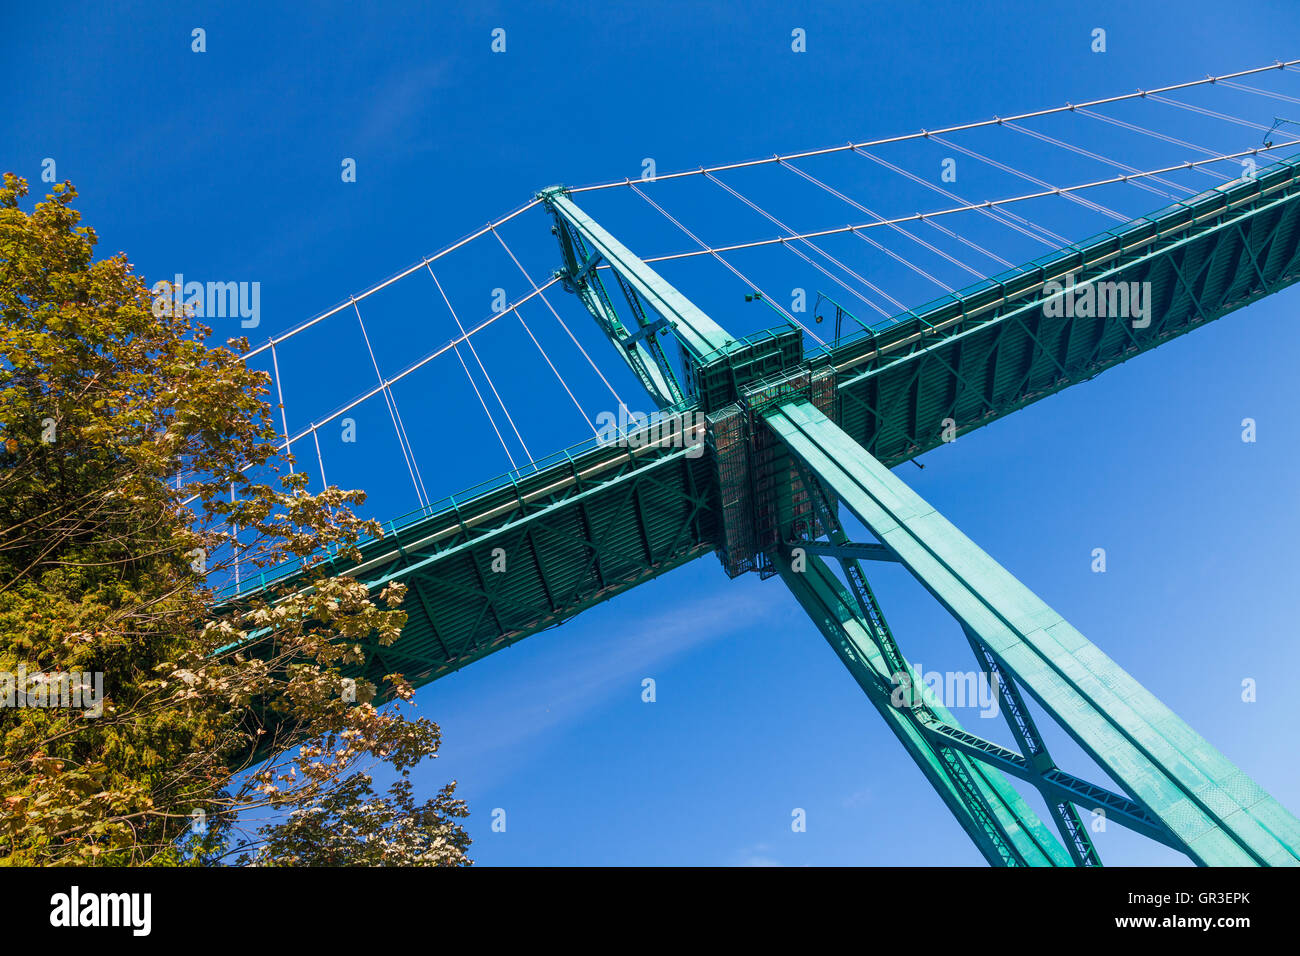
column 597, row 524
column 993, row 350
column 534, row 553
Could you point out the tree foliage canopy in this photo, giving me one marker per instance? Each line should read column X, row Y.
column 138, row 463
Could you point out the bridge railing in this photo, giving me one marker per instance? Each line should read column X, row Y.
column 251, row 582
column 1169, row 218
column 1009, row 283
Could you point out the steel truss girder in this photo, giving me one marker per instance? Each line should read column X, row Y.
column 1032, row 744
column 638, row 345
column 1056, row 785
column 1160, row 255
column 1035, row 768
column 604, row 566
column 1003, row 827
column 699, row 335
column 1207, row 807
column 848, row 549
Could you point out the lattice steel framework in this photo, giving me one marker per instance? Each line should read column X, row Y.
column 783, row 466
column 791, row 435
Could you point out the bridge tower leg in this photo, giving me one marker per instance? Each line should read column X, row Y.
column 782, row 467
column 1180, row 790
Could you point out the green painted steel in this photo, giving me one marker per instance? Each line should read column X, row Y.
column 988, row 350
column 699, row 335
column 584, row 526
column 1217, row 814
column 717, row 364
column 582, row 249
column 972, row 358
column 904, row 378
column 988, row 808
column 991, row 812
column 588, row 527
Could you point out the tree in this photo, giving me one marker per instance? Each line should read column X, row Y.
column 138, row 462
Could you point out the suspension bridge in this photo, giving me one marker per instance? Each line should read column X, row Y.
column 764, row 440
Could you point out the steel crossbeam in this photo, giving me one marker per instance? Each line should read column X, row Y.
column 1204, row 804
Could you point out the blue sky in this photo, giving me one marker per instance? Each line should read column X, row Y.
column 225, row 165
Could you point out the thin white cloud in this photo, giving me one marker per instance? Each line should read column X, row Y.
column 575, row 675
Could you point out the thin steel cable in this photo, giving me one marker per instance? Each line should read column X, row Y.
column 1087, row 203
column 950, row 129
column 946, row 231
column 410, row 369
column 320, row 460
column 234, row 546
column 736, row 193
column 736, row 272
column 279, row 394
column 1116, row 164
column 1160, row 136
column 879, row 218
column 569, row 391
column 1258, row 92
column 417, row 365
column 408, row 454
column 421, row 491
column 917, row 217
column 547, row 357
column 491, row 421
column 844, row 285
column 1213, row 114
column 491, row 384
column 877, row 245
column 276, row 340
column 969, row 243
column 996, row 216
column 595, row 367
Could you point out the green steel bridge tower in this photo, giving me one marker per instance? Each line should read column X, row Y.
column 764, row 443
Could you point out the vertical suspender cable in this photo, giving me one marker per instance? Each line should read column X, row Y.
column 408, row 454
column 736, row 272
column 491, row 384
column 284, row 420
